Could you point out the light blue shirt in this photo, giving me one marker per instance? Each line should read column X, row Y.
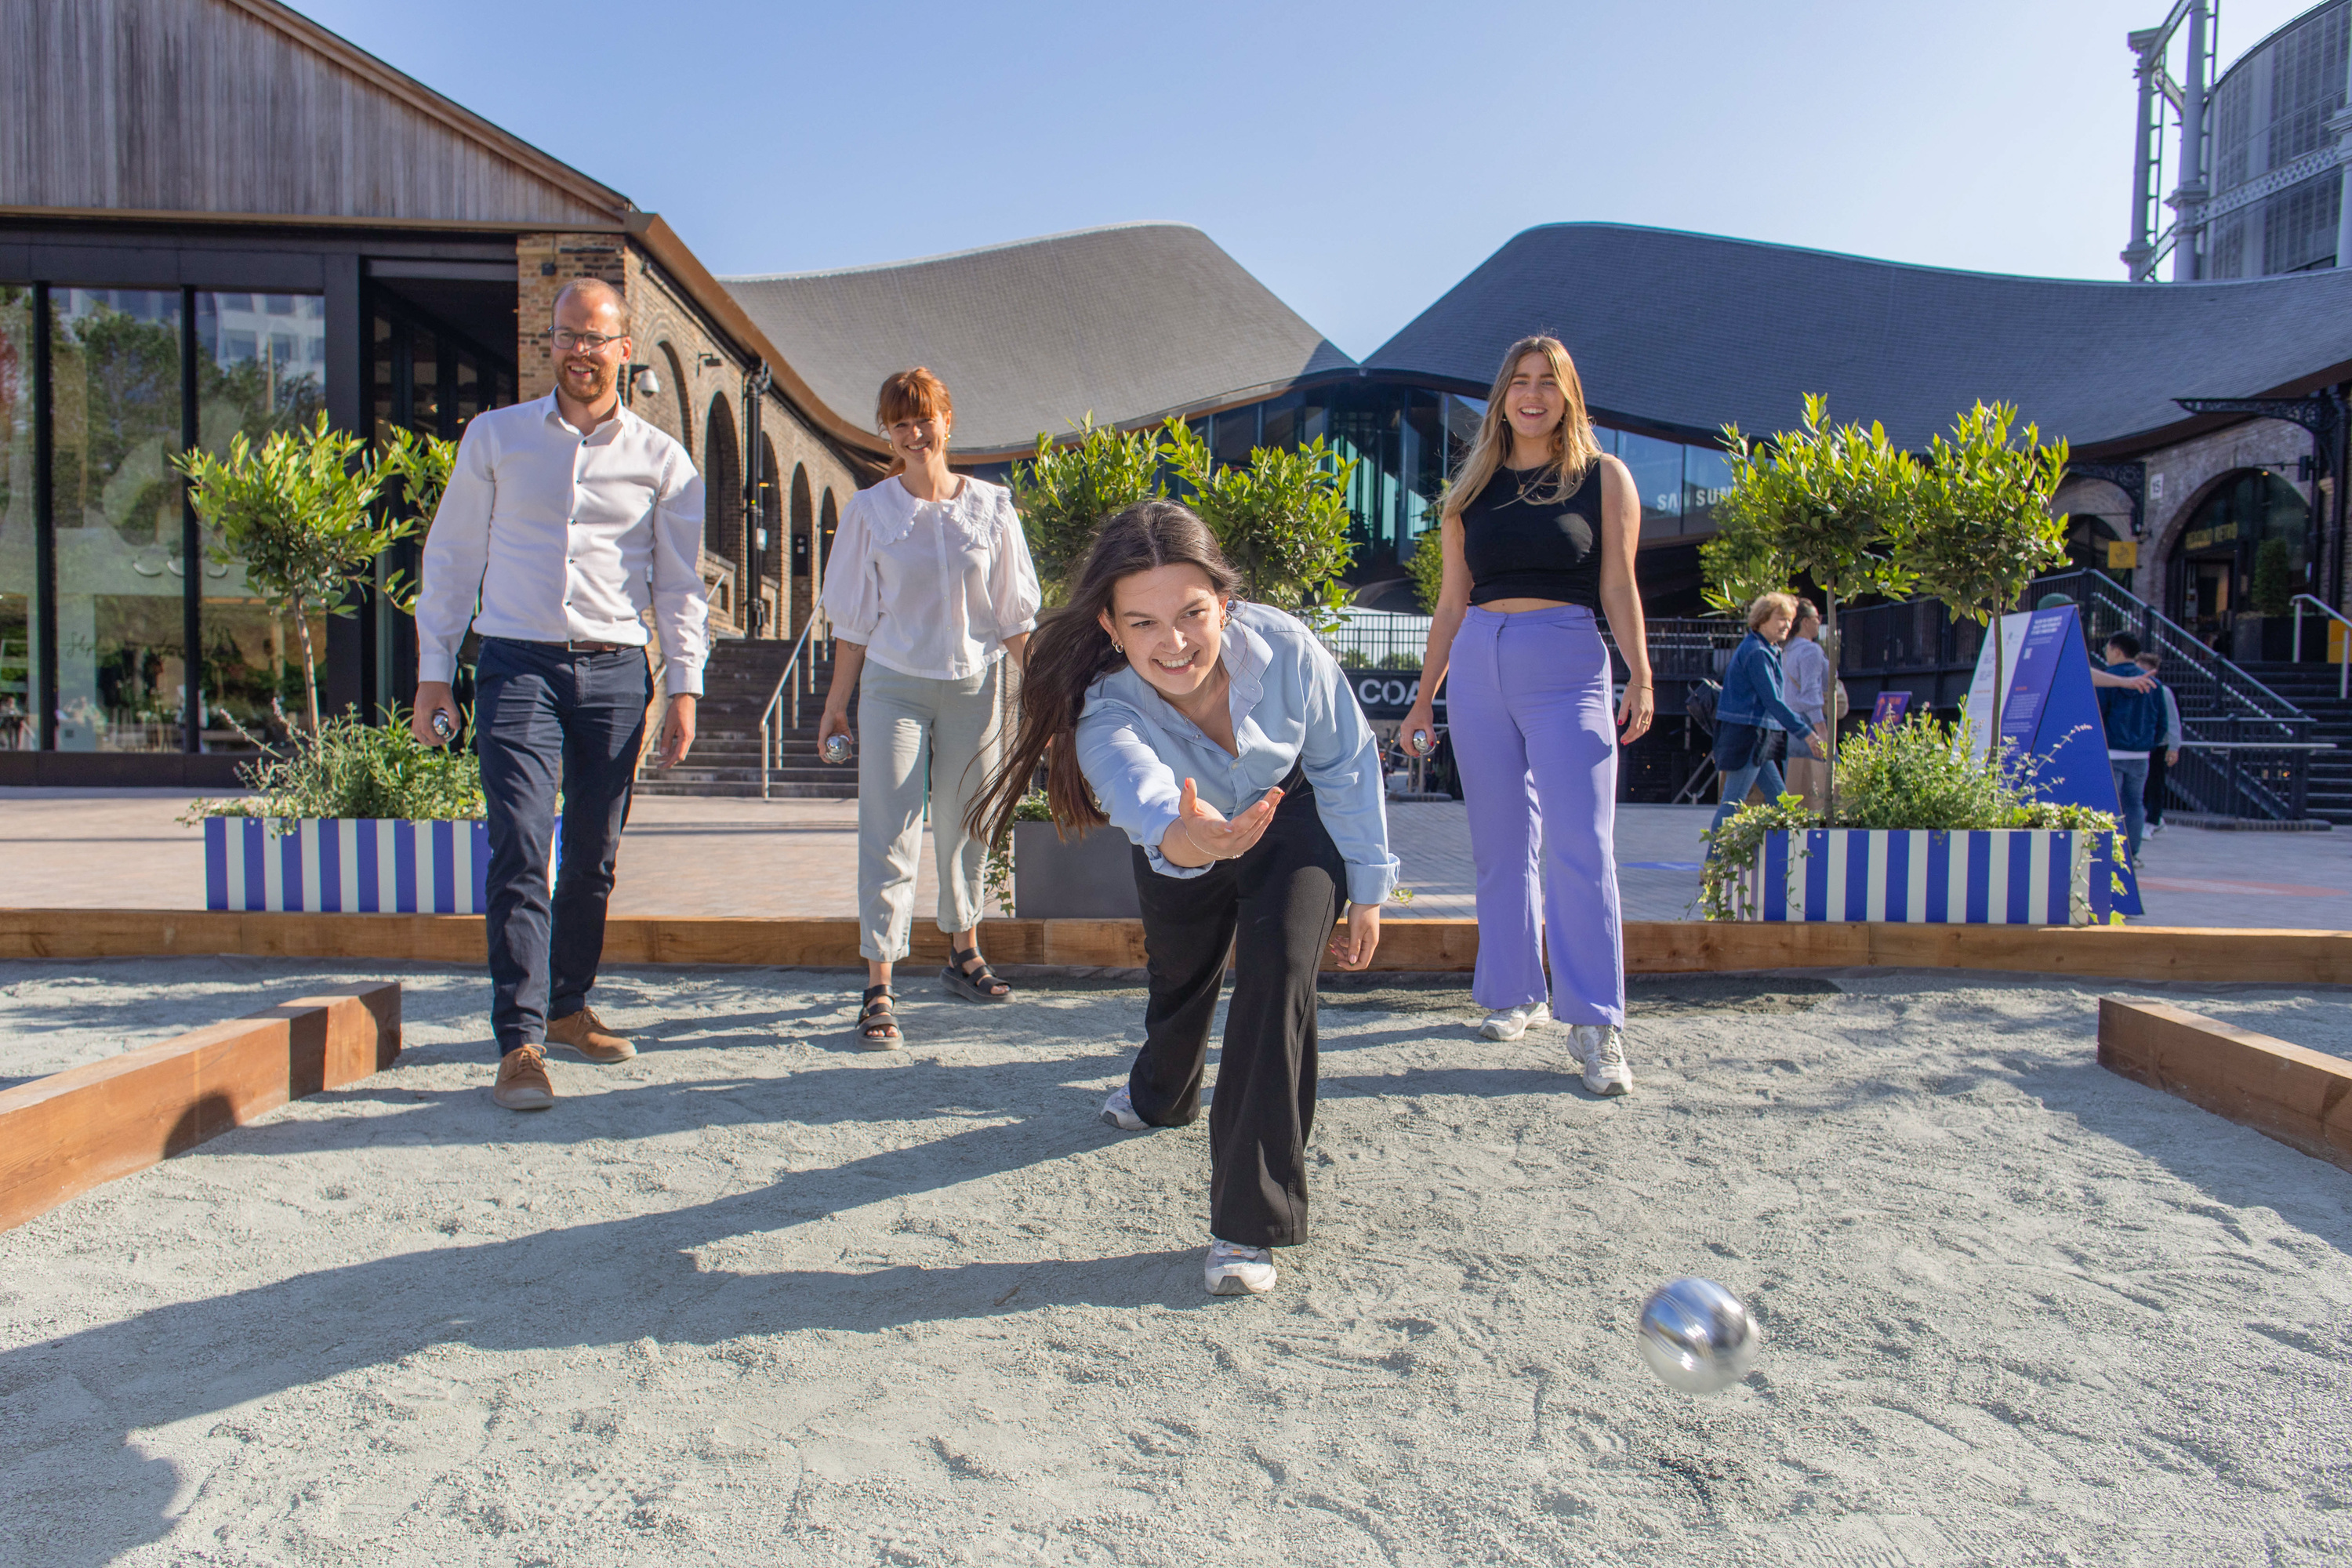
column 1289, row 706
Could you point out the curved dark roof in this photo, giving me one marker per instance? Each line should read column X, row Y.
column 1687, row 332
column 1130, row 323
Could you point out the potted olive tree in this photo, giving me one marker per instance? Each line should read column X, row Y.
column 345, row 816
column 1922, row 826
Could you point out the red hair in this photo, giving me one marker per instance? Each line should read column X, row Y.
column 914, row 394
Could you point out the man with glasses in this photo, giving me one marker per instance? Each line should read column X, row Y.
column 565, row 519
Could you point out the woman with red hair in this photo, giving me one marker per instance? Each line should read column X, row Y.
column 929, row 586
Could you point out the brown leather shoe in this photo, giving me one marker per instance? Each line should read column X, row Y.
column 522, row 1081
column 585, row 1033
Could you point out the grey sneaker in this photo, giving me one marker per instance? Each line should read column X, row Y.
column 1602, row 1047
column 1512, row 1022
column 1119, row 1112
column 1235, row 1270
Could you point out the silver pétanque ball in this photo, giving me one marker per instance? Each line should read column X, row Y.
column 1697, row 1337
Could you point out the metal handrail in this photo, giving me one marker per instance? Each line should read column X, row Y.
column 2344, row 670
column 770, row 742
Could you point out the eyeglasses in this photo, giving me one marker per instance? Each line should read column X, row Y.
column 567, row 340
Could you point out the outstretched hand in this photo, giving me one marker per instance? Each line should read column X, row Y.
column 1200, row 834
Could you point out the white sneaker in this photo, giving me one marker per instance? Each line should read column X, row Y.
column 1603, row 1048
column 2152, row 829
column 1512, row 1022
column 1236, row 1270
column 1119, row 1112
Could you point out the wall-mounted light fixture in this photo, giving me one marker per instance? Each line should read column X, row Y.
column 711, row 361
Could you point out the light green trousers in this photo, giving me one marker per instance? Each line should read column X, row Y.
column 918, row 739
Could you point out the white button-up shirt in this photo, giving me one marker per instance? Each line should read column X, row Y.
column 931, row 587
column 549, row 534
column 1289, row 706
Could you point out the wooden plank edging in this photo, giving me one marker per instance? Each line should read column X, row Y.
column 66, row 1133
column 2302, row 1098
column 1652, row 947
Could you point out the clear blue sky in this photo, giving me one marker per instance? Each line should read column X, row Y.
column 1359, row 157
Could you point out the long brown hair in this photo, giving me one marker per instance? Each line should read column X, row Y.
column 1069, row 652
column 1574, row 448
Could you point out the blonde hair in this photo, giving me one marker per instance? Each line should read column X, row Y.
column 1767, row 606
column 1574, row 449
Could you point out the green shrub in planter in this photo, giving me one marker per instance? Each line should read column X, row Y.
column 1920, row 775
column 346, row 768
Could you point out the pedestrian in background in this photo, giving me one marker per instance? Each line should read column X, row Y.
column 565, row 519
column 2168, row 750
column 2133, row 714
column 1540, row 532
column 1805, row 669
column 930, row 587
column 1753, row 687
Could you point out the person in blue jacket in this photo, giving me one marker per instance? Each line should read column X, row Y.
column 1752, row 694
column 2135, row 724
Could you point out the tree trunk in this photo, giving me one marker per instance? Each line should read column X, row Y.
column 1829, row 699
column 309, row 664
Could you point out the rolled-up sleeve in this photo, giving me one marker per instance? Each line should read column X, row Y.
column 456, row 554
column 681, row 601
column 1342, row 760
column 1139, row 792
column 853, row 589
column 1013, row 591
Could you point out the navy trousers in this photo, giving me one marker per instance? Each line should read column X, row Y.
column 547, row 718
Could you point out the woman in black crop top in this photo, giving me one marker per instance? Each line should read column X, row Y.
column 1540, row 528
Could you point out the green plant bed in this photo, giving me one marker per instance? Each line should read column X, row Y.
column 1917, row 778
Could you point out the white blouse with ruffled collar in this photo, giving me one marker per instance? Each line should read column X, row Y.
column 931, row 587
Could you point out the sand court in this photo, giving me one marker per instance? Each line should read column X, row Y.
column 758, row 1296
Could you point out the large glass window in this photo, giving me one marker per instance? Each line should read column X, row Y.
column 1707, row 481
column 115, row 411
column 1657, row 468
column 261, row 367
column 20, row 683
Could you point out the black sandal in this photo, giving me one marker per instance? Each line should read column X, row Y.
column 877, row 1025
column 973, row 985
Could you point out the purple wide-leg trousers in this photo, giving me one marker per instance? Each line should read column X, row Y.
column 1527, row 708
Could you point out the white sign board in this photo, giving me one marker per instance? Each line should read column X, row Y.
column 1976, row 710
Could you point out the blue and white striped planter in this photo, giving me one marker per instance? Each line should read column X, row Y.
column 2013, row 876
column 347, row 866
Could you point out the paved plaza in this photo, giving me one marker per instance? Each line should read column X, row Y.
column 126, row 849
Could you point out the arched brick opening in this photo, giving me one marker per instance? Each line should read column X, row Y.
column 676, row 368
column 722, row 503
column 667, row 408
column 828, row 519
column 771, row 559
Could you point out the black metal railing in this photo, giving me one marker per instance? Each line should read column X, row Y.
column 2246, row 749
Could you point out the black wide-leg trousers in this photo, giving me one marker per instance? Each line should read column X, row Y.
column 1273, row 910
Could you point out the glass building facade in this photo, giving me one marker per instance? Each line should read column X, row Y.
column 2269, row 126
column 1405, row 439
column 118, row 629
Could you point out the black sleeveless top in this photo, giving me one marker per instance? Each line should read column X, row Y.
column 1520, row 548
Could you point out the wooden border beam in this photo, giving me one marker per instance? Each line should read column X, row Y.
column 68, row 1133
column 1652, row 947
column 2302, row 1098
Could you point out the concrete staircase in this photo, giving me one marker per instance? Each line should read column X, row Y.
column 725, row 760
column 2313, row 688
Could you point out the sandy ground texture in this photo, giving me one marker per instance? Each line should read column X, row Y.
column 760, row 1297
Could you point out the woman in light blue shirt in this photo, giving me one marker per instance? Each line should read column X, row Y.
column 1221, row 738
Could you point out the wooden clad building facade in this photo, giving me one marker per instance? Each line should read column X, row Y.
column 218, row 216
